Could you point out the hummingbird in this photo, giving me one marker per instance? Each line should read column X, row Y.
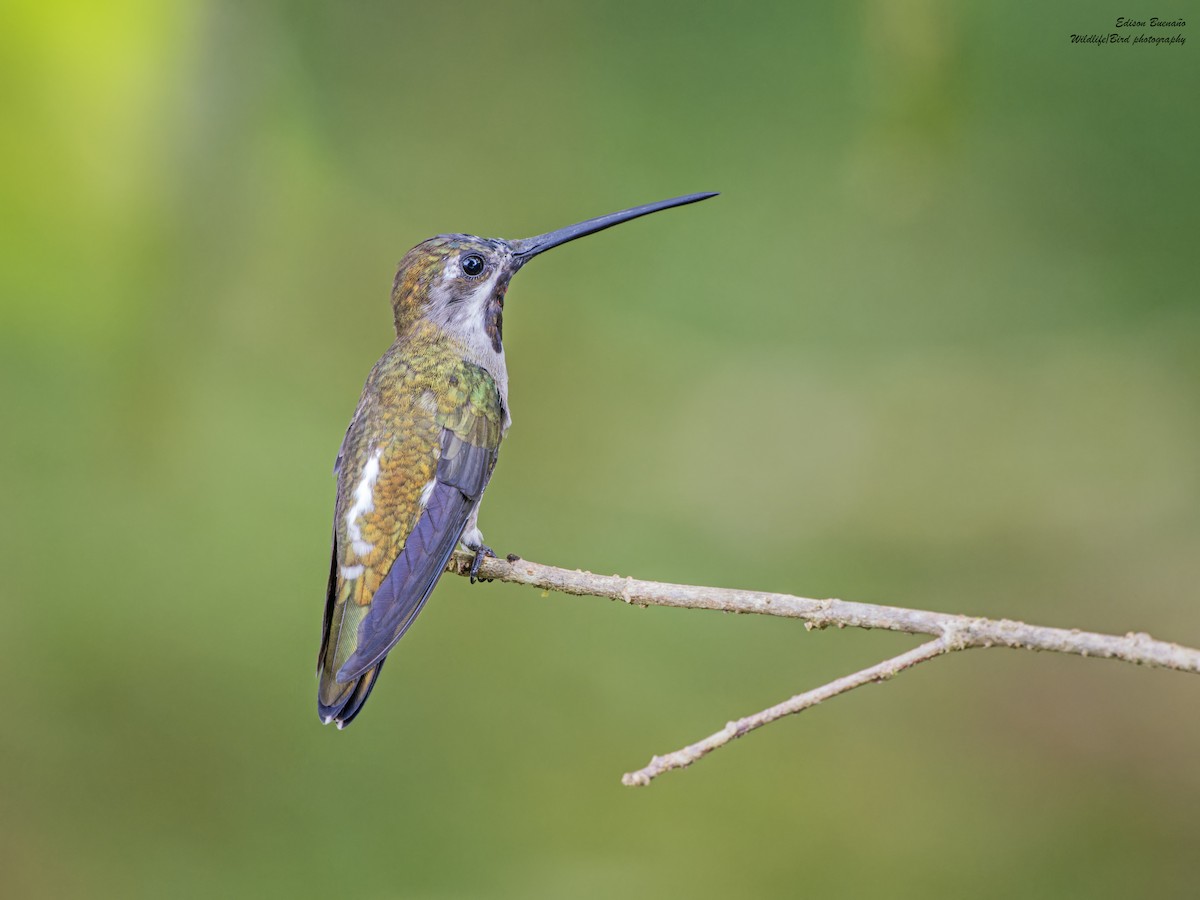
column 421, row 448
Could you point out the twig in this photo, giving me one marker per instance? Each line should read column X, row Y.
column 952, row 632
column 878, row 672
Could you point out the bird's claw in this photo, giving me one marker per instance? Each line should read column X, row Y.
column 480, row 553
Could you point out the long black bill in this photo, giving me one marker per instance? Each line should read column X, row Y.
column 528, row 248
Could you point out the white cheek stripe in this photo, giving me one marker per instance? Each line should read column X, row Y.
column 364, row 502
column 482, row 294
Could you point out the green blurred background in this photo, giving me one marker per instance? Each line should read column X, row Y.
column 935, row 345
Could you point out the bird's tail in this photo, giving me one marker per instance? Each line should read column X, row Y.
column 339, row 701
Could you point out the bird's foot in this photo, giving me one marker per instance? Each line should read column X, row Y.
column 481, row 551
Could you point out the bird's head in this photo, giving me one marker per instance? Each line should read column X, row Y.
column 458, row 281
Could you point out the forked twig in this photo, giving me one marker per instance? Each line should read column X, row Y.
column 951, row 633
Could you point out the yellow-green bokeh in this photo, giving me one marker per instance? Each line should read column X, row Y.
column 935, row 345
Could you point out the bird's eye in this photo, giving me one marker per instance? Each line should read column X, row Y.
column 472, row 265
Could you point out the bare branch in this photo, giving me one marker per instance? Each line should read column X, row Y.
column 1140, row 649
column 952, row 632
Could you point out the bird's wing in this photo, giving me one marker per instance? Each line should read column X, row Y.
column 413, row 466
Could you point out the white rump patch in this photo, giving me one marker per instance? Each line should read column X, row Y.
column 427, row 491
column 364, row 503
column 351, row 572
